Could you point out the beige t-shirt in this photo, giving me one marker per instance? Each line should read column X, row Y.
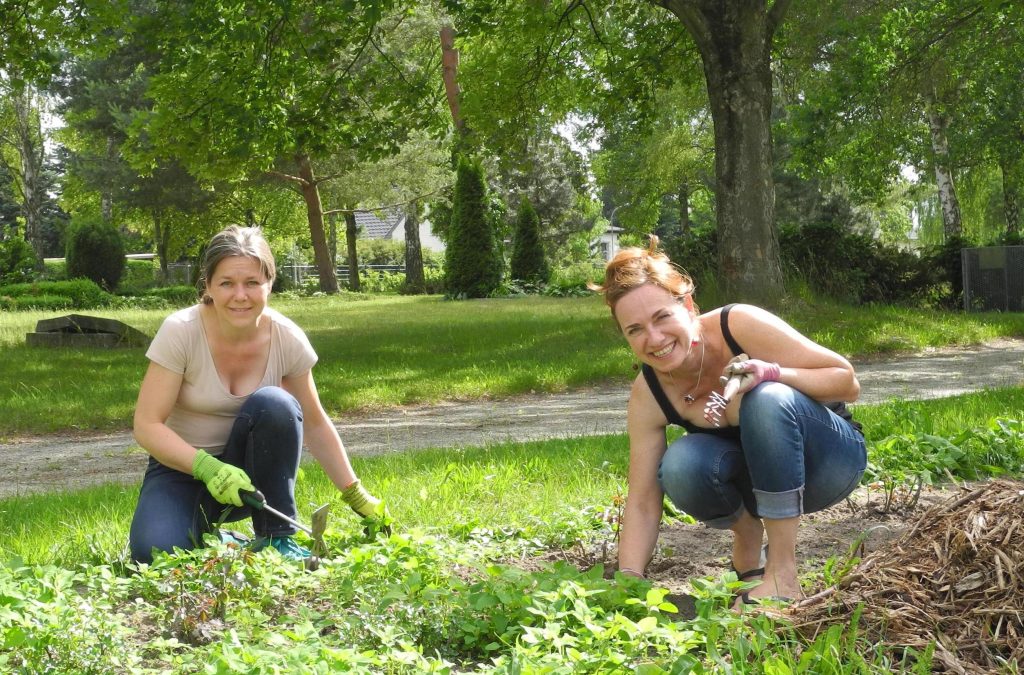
column 205, row 410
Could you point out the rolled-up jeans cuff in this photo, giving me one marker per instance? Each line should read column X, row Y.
column 778, row 505
column 725, row 522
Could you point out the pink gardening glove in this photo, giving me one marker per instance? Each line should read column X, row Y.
column 752, row 372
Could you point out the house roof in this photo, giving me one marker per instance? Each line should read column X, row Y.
column 375, row 227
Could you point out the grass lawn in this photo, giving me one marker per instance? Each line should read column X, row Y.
column 387, row 350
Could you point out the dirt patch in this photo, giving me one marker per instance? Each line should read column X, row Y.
column 69, row 461
column 856, row 527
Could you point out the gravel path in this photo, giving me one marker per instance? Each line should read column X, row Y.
column 70, row 461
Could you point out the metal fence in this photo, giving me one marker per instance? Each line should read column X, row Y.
column 299, row 274
column 993, row 278
column 179, row 273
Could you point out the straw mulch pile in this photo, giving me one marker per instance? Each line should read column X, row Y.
column 955, row 577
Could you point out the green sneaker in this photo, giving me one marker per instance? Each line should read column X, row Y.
column 286, row 546
column 232, row 537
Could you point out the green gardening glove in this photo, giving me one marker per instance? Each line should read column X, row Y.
column 361, row 501
column 222, row 480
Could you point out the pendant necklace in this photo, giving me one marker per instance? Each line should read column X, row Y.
column 689, row 398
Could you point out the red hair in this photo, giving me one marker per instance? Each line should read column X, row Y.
column 634, row 267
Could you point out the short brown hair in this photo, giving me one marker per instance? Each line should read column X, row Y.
column 634, row 267
column 235, row 240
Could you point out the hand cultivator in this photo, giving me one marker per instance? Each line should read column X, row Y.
column 717, row 403
column 256, row 500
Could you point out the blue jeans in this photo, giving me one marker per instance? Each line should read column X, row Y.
column 175, row 509
column 793, row 456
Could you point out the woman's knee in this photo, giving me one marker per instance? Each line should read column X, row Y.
column 273, row 405
column 765, row 403
column 686, row 475
column 272, row 398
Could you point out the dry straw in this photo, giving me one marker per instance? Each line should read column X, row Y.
column 955, row 577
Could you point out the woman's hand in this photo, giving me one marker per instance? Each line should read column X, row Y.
column 751, row 372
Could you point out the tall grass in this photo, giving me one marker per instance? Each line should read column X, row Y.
column 390, row 351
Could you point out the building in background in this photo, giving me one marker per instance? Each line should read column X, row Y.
column 607, row 244
column 391, row 225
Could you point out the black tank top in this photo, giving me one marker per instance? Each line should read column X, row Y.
column 673, row 416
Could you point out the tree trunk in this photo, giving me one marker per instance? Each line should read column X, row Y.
column 449, row 73
column 684, row 208
column 332, row 237
column 315, row 214
column 161, row 236
column 414, row 280
column 351, row 231
column 1012, row 167
column 952, row 225
column 734, row 38
column 29, row 176
column 106, row 196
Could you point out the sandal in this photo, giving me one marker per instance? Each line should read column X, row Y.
column 747, row 600
column 744, row 576
column 756, row 572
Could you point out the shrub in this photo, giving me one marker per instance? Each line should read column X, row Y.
column 375, row 281
column 695, row 252
column 176, row 295
column 95, row 251
column 17, row 261
column 34, row 302
column 139, row 275
column 380, row 252
column 946, row 262
column 854, row 267
column 528, row 262
column 55, row 270
column 390, row 252
column 77, row 294
column 473, row 265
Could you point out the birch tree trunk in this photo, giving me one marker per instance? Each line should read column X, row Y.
column 952, row 225
column 27, row 137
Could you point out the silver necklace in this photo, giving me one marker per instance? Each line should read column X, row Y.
column 689, row 398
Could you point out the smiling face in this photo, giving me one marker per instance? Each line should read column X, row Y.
column 239, row 290
column 658, row 327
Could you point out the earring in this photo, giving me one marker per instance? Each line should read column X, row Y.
column 694, row 342
column 636, row 366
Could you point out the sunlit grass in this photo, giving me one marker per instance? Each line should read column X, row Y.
column 531, row 486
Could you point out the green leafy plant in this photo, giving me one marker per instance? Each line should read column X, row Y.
column 17, row 261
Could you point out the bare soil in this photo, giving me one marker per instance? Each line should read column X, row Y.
column 75, row 460
column 864, row 523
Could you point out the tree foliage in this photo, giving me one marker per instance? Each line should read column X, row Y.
column 270, row 88
column 473, row 266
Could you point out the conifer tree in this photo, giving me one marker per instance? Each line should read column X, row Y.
column 528, row 261
column 473, row 265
